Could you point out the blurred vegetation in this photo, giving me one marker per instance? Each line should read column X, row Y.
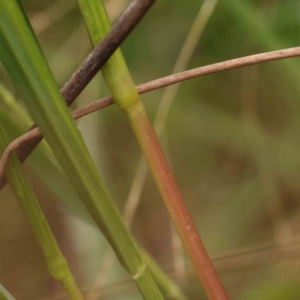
column 232, row 141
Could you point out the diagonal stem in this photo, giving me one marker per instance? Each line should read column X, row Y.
column 157, row 84
column 93, row 64
column 56, row 262
column 125, row 95
column 174, row 202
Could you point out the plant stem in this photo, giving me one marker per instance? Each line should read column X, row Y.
column 26, row 65
column 126, row 96
column 92, row 64
column 174, row 202
column 56, row 262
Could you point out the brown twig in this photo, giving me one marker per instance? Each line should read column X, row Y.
column 80, row 79
column 190, row 74
column 30, row 138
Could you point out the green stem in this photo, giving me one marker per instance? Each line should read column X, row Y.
column 57, row 264
column 4, row 294
column 26, row 65
column 125, row 95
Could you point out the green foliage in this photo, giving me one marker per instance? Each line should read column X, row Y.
column 30, row 74
column 56, row 263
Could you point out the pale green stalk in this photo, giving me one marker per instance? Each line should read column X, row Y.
column 125, row 95
column 56, row 262
column 206, row 10
column 42, row 161
column 26, row 65
column 43, row 164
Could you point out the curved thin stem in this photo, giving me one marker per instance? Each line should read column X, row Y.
column 157, row 84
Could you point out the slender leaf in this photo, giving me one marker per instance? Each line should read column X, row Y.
column 30, row 73
column 57, row 265
column 41, row 162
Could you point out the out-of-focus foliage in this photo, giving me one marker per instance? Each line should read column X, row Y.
column 233, row 143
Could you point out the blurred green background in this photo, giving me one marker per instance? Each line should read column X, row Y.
column 232, row 139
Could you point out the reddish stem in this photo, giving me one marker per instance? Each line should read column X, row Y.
column 174, row 201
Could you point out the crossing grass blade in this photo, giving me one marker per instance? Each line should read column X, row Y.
column 29, row 72
column 56, row 263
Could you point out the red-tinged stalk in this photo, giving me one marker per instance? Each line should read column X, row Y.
column 126, row 96
column 173, row 200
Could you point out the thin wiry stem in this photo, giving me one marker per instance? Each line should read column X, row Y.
column 157, row 84
column 79, row 80
column 126, row 96
column 26, row 65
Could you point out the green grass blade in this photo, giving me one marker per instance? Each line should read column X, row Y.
column 41, row 161
column 52, row 177
column 97, row 28
column 25, row 64
column 57, row 265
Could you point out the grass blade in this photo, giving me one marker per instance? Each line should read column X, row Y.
column 57, row 265
column 41, row 162
column 25, row 64
column 186, row 52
